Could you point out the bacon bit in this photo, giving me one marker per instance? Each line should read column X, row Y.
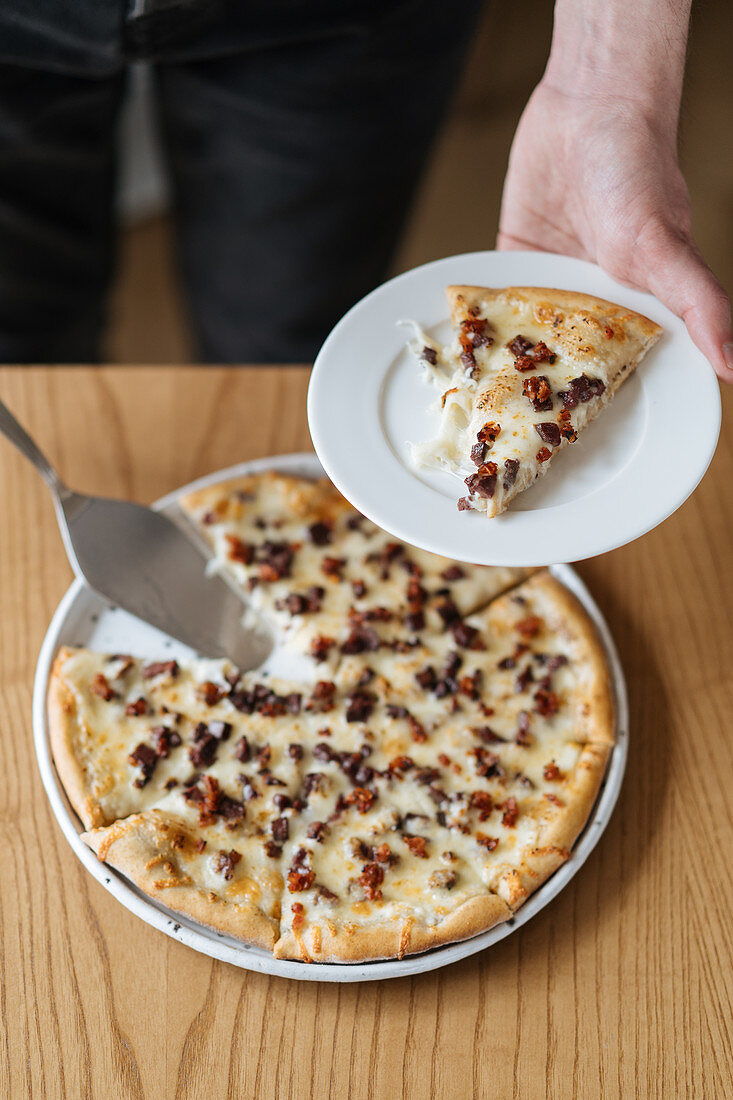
column 362, row 798
column 468, row 637
column 524, row 363
column 164, row 740
column 478, row 453
column 489, row 433
column 483, row 482
column 320, row 533
column 445, row 395
column 280, row 829
column 318, row 831
column 360, row 706
column 542, row 354
column 417, row 845
column 464, row 504
column 483, row 802
column 225, row 862
column 443, row 759
column 200, row 844
column 333, row 568
column 133, row 710
column 487, row 763
column 554, row 798
column 442, row 880
column 383, row 854
column 543, row 454
column 580, row 390
column 401, row 764
column 548, row 432
column 320, row 647
column 322, row 699
column 242, row 552
column 100, row 686
column 362, row 639
column 160, row 668
column 511, row 812
column 486, row 734
column 300, row 879
column 210, row 693
column 416, row 729
column 453, row 573
column 467, row 355
column 298, row 916
column 371, row 878
column 546, row 702
column 471, row 685
column 324, row 894
column 272, row 850
column 489, row 842
column 295, row 751
column 511, row 468
column 537, row 389
column 530, row 626
column 519, row 345
column 551, row 772
column 523, row 737
column 430, row 355
column 476, row 326
column 359, row 589
column 145, row 758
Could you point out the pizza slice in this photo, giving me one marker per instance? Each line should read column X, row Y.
column 330, row 582
column 529, row 368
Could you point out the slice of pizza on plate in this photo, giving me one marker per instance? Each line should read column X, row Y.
column 529, row 368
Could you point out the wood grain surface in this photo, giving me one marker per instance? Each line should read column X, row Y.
column 621, row 987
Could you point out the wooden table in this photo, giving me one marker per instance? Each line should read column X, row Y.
column 621, row 987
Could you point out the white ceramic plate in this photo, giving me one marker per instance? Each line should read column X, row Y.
column 83, row 618
column 628, row 471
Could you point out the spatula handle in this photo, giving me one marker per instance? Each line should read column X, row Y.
column 17, row 434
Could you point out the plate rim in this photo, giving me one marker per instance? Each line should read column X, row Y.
column 216, row 945
column 433, row 537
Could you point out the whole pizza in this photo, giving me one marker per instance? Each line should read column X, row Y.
column 428, row 761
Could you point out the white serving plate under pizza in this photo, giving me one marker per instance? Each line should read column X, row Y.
column 628, row 471
column 83, row 618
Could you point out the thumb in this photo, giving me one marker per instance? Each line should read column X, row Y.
column 672, row 268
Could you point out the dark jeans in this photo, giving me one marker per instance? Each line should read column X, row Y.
column 294, row 133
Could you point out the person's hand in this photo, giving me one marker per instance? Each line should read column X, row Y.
column 598, row 178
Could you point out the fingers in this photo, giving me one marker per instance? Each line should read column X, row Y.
column 676, row 273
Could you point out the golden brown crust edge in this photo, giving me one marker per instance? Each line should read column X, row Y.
column 575, row 300
column 63, row 727
column 313, row 493
column 395, row 939
column 136, row 846
column 558, row 831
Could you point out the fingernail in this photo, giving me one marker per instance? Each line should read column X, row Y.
column 728, row 353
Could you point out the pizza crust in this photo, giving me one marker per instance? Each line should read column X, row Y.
column 140, row 847
column 566, row 613
column 64, row 731
column 327, row 941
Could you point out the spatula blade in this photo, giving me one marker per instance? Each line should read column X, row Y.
column 140, row 560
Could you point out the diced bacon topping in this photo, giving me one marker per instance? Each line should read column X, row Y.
column 225, row 862
column 371, row 878
column 537, row 389
column 416, row 844
column 243, row 552
column 529, row 626
column 489, row 842
column 511, row 812
column 551, row 772
column 160, row 668
column 100, row 686
column 483, row 482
